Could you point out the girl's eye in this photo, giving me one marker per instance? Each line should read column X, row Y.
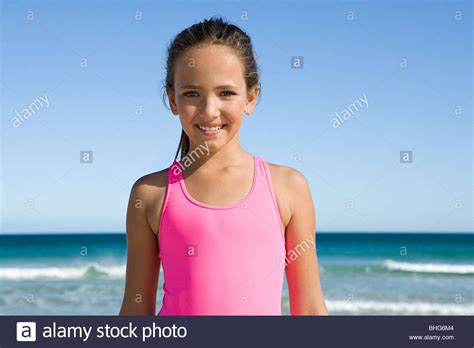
column 227, row 95
column 230, row 93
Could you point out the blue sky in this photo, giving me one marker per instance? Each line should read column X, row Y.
column 412, row 61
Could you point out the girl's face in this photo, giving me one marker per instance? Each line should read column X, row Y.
column 210, row 96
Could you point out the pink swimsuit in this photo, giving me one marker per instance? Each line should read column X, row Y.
column 222, row 260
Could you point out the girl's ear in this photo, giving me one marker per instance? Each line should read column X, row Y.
column 251, row 100
column 172, row 101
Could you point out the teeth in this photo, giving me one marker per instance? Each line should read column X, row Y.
column 211, row 129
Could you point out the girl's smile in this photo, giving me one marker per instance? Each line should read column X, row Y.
column 211, row 130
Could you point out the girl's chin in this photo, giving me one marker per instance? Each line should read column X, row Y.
column 208, row 143
column 208, row 146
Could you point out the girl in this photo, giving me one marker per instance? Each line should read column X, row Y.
column 224, row 224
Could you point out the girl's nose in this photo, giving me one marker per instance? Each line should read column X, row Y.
column 210, row 109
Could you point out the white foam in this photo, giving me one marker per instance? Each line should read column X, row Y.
column 429, row 267
column 94, row 270
column 399, row 308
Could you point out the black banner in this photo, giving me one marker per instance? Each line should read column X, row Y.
column 205, row 331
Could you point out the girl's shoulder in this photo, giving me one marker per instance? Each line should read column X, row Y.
column 152, row 183
column 149, row 191
column 288, row 176
column 289, row 185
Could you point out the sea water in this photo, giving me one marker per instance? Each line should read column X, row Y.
column 361, row 274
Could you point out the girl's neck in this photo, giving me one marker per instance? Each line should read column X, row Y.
column 231, row 154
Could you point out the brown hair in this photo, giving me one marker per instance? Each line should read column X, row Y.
column 213, row 31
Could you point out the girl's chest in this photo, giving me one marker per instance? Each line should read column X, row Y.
column 219, row 191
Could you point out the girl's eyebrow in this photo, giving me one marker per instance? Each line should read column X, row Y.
column 197, row 87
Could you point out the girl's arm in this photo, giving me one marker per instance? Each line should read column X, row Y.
column 143, row 264
column 306, row 296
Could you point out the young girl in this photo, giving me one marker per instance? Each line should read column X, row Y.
column 224, row 224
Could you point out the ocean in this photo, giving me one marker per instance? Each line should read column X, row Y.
column 361, row 274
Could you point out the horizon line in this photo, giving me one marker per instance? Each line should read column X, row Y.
column 9, row 233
